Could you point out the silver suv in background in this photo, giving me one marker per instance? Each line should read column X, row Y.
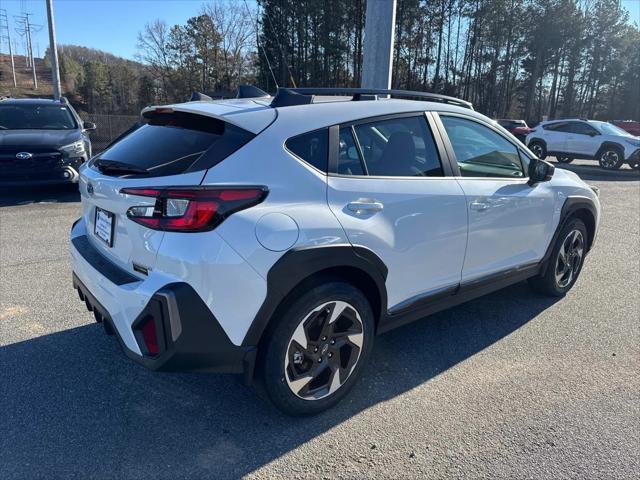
column 585, row 139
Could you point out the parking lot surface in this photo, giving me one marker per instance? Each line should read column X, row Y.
column 513, row 385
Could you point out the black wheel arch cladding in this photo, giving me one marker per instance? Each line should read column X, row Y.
column 300, row 264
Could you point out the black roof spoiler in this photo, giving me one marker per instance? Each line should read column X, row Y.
column 200, row 97
column 249, row 91
column 304, row 96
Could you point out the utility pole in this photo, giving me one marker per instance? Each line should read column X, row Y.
column 4, row 19
column 26, row 32
column 53, row 48
column 379, row 30
column 30, row 45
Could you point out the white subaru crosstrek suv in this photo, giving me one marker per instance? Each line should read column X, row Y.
column 276, row 237
column 585, row 139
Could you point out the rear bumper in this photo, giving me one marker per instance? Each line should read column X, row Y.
column 190, row 337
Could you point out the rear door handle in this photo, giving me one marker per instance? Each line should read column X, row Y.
column 365, row 206
column 479, row 206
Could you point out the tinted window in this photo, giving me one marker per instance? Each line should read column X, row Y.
column 311, row 147
column 37, row 117
column 481, row 152
column 170, row 143
column 581, row 128
column 559, row 126
column 349, row 162
column 400, row 147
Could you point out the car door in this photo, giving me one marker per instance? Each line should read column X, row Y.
column 392, row 194
column 510, row 222
column 583, row 139
column 555, row 135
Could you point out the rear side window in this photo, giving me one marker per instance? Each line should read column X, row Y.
column 557, row 127
column 311, row 147
column 399, row 147
column 173, row 143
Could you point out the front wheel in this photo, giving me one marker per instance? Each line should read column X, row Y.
column 566, row 261
column 564, row 159
column 611, row 158
column 318, row 347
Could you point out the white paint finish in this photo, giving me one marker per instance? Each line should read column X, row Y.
column 131, row 242
column 244, row 113
column 420, row 234
column 295, row 190
column 277, row 231
column 232, row 290
column 513, row 228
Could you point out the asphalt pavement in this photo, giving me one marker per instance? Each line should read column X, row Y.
column 513, row 385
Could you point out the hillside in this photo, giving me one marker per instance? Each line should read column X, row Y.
column 24, row 78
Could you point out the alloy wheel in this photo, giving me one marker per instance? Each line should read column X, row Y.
column 323, row 350
column 569, row 258
column 610, row 159
column 536, row 148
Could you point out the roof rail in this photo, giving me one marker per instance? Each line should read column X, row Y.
column 371, row 94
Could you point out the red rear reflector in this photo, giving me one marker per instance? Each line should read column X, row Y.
column 193, row 209
column 150, row 336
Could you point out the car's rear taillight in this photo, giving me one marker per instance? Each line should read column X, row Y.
column 192, row 209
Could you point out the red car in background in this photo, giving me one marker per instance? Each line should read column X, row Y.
column 518, row 128
column 628, row 126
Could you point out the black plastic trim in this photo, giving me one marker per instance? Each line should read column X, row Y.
column 191, row 338
column 299, row 264
column 450, row 297
column 111, row 271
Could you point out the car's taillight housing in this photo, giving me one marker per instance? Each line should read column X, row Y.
column 192, row 209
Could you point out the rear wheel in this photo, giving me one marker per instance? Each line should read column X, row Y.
column 564, row 159
column 317, row 349
column 538, row 149
column 635, row 164
column 566, row 261
column 611, row 158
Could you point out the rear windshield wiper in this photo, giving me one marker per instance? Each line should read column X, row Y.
column 113, row 166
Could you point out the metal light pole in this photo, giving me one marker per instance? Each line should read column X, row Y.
column 53, row 48
column 379, row 30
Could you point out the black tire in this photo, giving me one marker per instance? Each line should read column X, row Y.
column 564, row 159
column 281, row 353
column 549, row 283
column 634, row 164
column 539, row 149
column 611, row 158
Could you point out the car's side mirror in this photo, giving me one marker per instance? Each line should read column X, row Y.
column 539, row 171
column 89, row 126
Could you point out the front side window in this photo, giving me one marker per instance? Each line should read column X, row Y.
column 36, row 117
column 311, row 147
column 399, row 147
column 481, row 152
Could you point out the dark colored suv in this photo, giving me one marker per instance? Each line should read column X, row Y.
column 41, row 142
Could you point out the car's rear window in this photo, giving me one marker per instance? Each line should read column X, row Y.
column 173, row 143
column 36, row 117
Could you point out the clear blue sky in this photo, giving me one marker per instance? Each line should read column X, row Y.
column 113, row 25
